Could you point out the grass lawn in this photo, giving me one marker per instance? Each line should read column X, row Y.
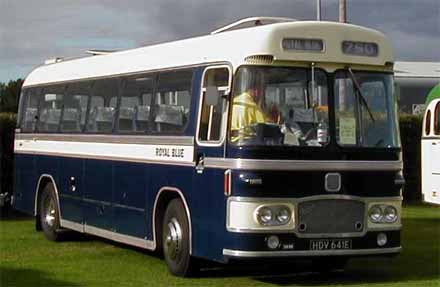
column 28, row 259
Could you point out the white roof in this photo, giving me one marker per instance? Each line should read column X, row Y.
column 230, row 46
column 417, row 69
column 252, row 22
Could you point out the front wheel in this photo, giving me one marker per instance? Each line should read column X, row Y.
column 175, row 238
column 49, row 214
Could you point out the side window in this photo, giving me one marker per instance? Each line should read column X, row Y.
column 134, row 110
column 75, row 107
column 29, row 109
column 172, row 102
column 428, row 123
column 216, row 85
column 51, row 104
column 102, row 109
column 437, row 119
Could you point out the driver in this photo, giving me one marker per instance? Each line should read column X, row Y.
column 247, row 107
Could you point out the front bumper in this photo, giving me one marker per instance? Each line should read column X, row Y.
column 255, row 246
column 307, row 253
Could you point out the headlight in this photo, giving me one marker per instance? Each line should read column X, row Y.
column 273, row 215
column 383, row 214
column 264, row 215
column 375, row 214
column 283, row 215
column 390, row 214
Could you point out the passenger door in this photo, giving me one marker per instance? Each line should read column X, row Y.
column 210, row 143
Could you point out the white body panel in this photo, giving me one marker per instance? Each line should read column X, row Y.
column 431, row 158
column 110, row 151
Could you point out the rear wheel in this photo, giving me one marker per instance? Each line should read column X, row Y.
column 49, row 214
column 175, row 238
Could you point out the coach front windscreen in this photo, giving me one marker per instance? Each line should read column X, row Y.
column 279, row 106
column 365, row 110
column 290, row 107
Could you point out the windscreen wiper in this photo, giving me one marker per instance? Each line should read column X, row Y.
column 359, row 92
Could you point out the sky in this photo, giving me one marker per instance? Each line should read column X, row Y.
column 32, row 31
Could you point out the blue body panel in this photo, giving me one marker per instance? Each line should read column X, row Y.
column 130, row 198
column 98, row 194
column 26, row 178
column 71, row 201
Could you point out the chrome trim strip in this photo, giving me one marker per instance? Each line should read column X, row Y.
column 94, row 201
column 302, row 165
column 129, row 207
column 126, row 239
column 172, row 189
column 307, row 253
column 115, row 139
column 38, row 190
column 72, row 225
column 119, row 159
column 317, row 197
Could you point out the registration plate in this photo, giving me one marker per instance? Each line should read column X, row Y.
column 330, row 244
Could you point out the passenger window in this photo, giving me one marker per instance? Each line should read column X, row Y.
column 437, row 119
column 103, row 106
column 214, row 106
column 75, row 108
column 172, row 102
column 134, row 110
column 51, row 104
column 428, row 123
column 30, row 110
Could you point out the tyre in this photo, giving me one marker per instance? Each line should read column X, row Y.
column 49, row 214
column 175, row 238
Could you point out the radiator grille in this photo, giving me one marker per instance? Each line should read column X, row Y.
column 330, row 216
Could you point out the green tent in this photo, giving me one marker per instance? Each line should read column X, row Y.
column 434, row 94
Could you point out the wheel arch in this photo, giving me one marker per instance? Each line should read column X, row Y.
column 42, row 182
column 163, row 198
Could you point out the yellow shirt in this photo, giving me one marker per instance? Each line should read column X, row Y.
column 245, row 112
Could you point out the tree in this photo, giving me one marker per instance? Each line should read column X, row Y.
column 9, row 95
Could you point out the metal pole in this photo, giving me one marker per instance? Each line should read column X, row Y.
column 318, row 10
column 343, row 11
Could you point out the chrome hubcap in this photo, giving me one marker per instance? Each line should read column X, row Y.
column 49, row 209
column 173, row 239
